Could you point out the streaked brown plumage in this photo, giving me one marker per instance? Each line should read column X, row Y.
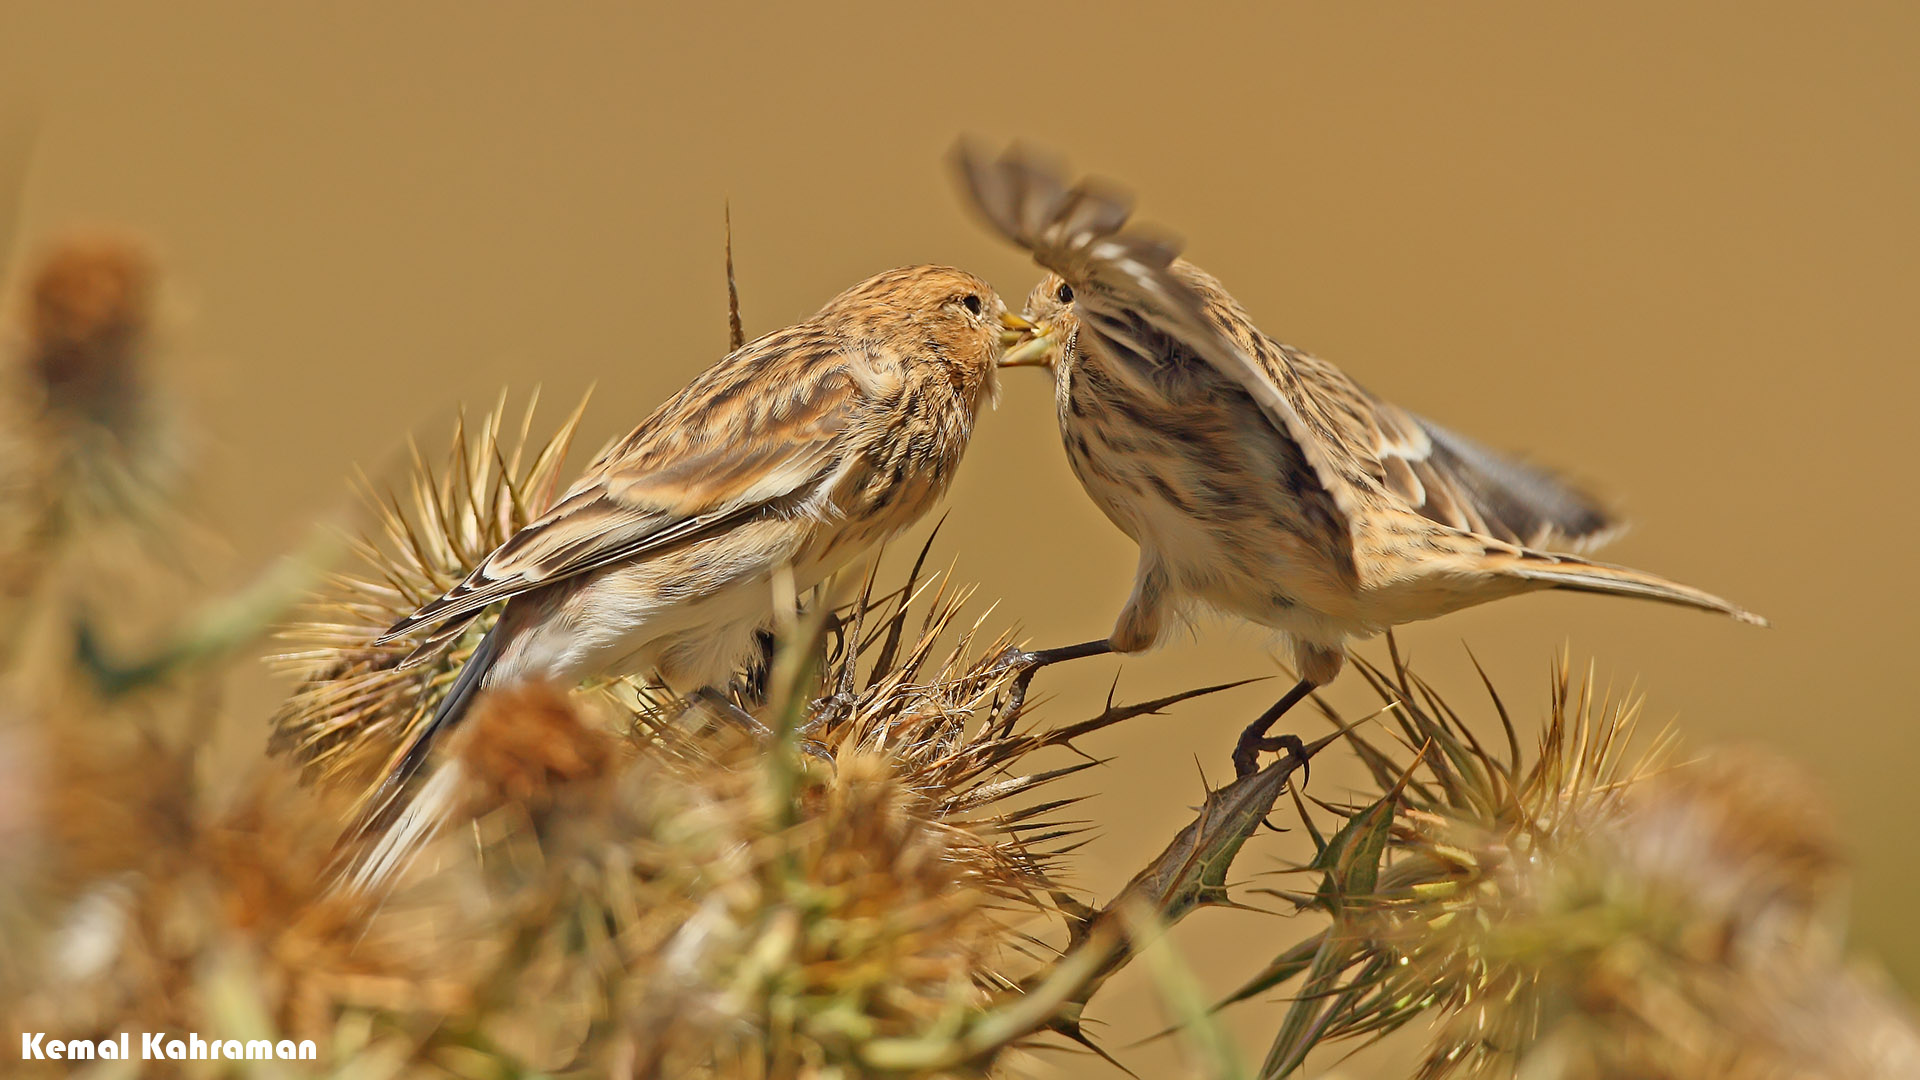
column 801, row 449
column 1257, row 479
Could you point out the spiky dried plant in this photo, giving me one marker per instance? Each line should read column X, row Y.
column 356, row 705
column 113, row 446
column 1599, row 911
column 870, row 891
column 724, row 913
column 146, row 897
column 635, row 890
column 86, row 439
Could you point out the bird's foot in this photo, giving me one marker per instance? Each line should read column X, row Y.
column 1254, row 740
column 717, row 703
column 819, row 751
column 1027, row 663
column 1246, row 753
column 825, row 713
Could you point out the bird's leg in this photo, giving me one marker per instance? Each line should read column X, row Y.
column 717, row 704
column 828, row 710
column 1254, row 740
column 1028, row 662
column 759, row 674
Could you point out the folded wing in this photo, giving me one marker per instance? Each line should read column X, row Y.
column 709, row 458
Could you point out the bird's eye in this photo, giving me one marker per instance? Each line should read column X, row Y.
column 972, row 302
column 1065, row 293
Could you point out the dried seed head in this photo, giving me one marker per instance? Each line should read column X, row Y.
column 522, row 742
column 1594, row 913
column 356, row 705
column 91, row 310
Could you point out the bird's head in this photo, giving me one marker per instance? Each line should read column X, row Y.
column 936, row 311
column 1049, row 310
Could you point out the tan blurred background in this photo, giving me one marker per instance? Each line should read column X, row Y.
column 1673, row 252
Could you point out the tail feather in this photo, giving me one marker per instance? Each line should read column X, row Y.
column 405, row 819
column 437, row 641
column 1580, row 575
column 408, row 829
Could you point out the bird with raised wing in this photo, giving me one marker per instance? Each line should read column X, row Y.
column 800, row 450
column 1259, row 480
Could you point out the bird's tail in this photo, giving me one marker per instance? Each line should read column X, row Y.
column 1579, row 575
column 404, row 819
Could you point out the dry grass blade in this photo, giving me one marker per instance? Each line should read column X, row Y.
column 736, row 334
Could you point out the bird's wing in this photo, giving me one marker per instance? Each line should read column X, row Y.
column 1353, row 441
column 753, row 435
column 1461, row 483
column 1122, row 275
column 1447, row 477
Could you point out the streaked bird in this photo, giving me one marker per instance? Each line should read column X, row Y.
column 799, row 450
column 1259, row 480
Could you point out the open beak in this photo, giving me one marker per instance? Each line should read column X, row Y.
column 1028, row 345
column 1014, row 329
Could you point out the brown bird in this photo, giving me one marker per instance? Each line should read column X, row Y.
column 799, row 450
column 1259, row 480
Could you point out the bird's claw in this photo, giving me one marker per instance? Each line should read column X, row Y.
column 819, row 751
column 1027, row 663
column 825, row 712
column 1246, row 753
column 1013, row 657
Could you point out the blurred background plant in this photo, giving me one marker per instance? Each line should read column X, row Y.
column 887, row 890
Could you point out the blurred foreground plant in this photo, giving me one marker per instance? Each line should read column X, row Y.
column 1598, row 911
column 634, row 889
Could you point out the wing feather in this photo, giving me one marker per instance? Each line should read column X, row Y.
column 1448, row 477
column 1120, row 272
column 715, row 454
column 1355, row 443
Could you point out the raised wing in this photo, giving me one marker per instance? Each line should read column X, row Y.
column 1353, row 441
column 713, row 455
column 1458, row 482
column 1121, row 274
column 1446, row 477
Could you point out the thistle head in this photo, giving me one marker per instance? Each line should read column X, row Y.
column 90, row 313
column 1594, row 909
column 356, row 705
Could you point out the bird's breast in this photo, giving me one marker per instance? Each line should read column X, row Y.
column 901, row 464
column 1204, row 484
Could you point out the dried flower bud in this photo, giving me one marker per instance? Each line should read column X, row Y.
column 91, row 307
column 523, row 742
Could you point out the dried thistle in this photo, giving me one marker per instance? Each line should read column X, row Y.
column 85, row 439
column 110, row 445
column 884, row 894
column 149, row 902
column 726, row 908
column 356, row 705
column 1598, row 912
column 90, row 314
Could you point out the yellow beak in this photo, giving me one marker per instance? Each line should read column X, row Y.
column 1033, row 349
column 1014, row 329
